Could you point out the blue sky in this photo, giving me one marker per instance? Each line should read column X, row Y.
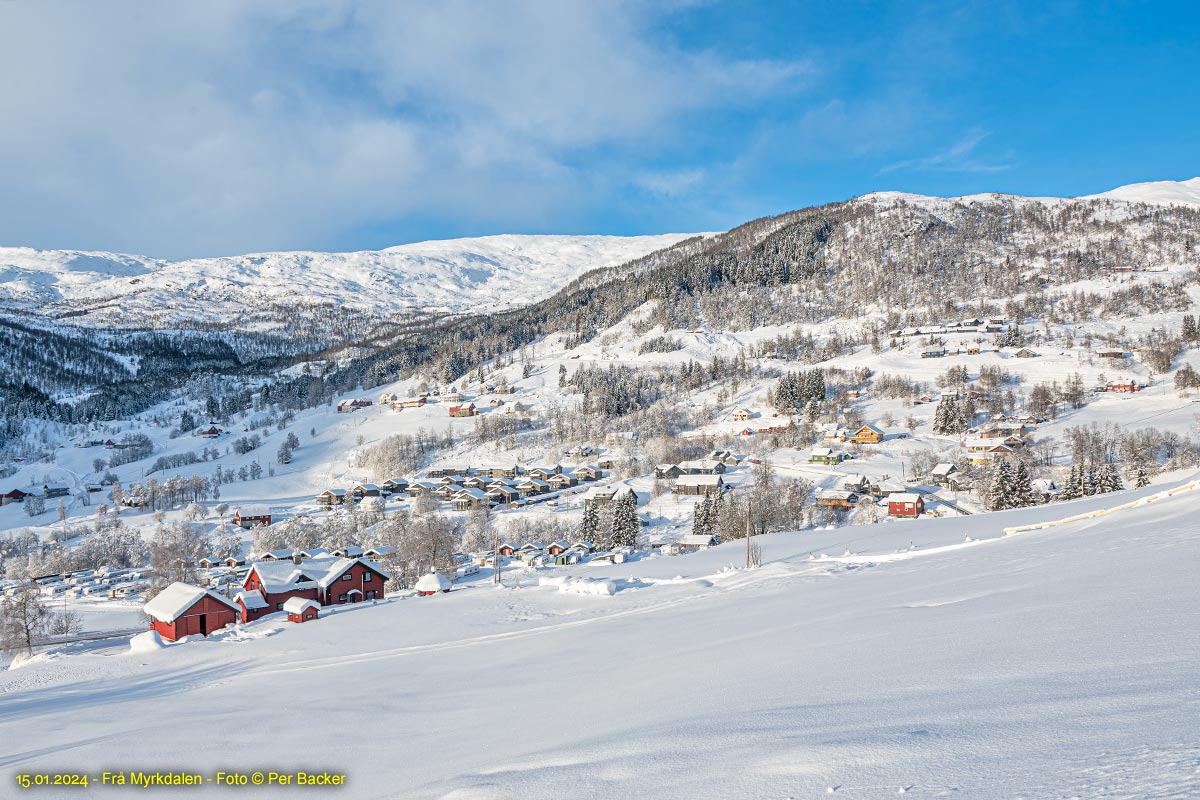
column 182, row 130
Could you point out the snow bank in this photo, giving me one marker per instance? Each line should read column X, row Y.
column 146, row 642
column 569, row 585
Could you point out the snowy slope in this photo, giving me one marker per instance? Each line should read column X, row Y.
column 458, row 275
column 1055, row 663
column 1185, row 193
column 1155, row 193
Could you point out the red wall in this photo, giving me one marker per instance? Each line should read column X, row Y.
column 356, row 573
column 219, row 615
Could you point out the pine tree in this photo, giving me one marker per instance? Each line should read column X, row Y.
column 1140, row 477
column 1000, row 496
column 590, row 524
column 1088, row 486
column 1022, row 487
column 625, row 525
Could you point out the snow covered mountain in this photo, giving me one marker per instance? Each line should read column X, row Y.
column 1185, row 193
column 459, row 275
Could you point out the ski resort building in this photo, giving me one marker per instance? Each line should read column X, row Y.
column 185, row 610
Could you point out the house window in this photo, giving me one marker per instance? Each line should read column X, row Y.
column 371, row 594
column 366, row 577
column 341, row 598
column 347, row 576
column 279, row 606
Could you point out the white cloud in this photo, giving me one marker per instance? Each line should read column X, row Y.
column 200, row 128
column 959, row 157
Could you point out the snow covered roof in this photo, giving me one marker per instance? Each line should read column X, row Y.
column 283, row 554
column 699, row 480
column 697, row 539
column 316, row 552
column 253, row 510
column 250, row 598
column 298, row 605
column 433, row 582
column 169, row 604
column 907, row 497
column 472, row 494
column 822, row 451
column 944, row 468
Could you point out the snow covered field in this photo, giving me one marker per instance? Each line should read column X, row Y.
column 1057, row 663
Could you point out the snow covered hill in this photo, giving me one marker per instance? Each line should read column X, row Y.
column 939, row 658
column 460, row 275
column 1185, row 193
column 1154, row 193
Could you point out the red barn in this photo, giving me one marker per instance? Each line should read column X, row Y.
column 463, row 411
column 906, row 505
column 300, row 610
column 185, row 610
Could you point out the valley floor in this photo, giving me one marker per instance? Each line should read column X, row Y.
column 937, row 658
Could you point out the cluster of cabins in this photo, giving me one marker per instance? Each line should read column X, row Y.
column 853, row 488
column 700, row 476
column 45, row 491
column 974, row 350
column 971, row 325
column 474, row 487
column 865, row 434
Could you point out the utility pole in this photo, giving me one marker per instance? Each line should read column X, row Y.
column 496, row 560
column 747, row 534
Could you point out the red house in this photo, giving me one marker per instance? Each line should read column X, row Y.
column 327, row 581
column 300, row 610
column 556, row 547
column 15, row 496
column 211, row 432
column 507, row 550
column 185, row 610
column 1124, row 387
column 906, row 505
column 463, row 411
column 249, row 516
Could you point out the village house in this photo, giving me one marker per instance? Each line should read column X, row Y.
column 282, row 554
column 504, row 390
column 743, row 415
column 467, row 499
column 361, row 490
column 854, row 483
column 332, row 497
column 1025, row 352
column 55, row 490
column 906, row 505
column 464, row 411
column 563, row 480
column 350, row 551
column 702, row 466
column 985, row 451
column 450, row 470
column 725, row 456
column 507, row 549
column 532, row 486
column 395, row 486
column 315, row 552
column 707, row 485
column 868, row 434
column 1110, row 354
column 943, row 473
column 605, row 495
column 13, row 496
column 501, row 470
column 452, row 397
column 885, row 487
column 475, row 482
column 185, row 610
column 1123, row 387
column 587, row 472
column 835, row 498
column 827, row 455
column 421, row 489
column 211, row 432
column 250, row 516
column 506, row 495
column 555, row 548
column 664, row 471
column 543, row 473
column 415, row 402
